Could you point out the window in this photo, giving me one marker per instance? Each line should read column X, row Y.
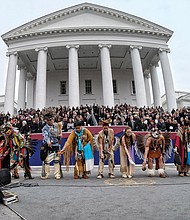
column 88, row 87
column 114, row 86
column 133, row 87
column 63, row 87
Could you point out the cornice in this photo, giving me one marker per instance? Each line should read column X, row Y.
column 86, row 31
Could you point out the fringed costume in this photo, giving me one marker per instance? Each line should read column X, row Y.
column 79, row 143
column 4, row 152
column 154, row 149
column 21, row 148
column 182, row 141
column 106, row 142
column 127, row 156
column 154, row 146
column 51, row 141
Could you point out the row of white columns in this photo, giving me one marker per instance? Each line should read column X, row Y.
column 39, row 100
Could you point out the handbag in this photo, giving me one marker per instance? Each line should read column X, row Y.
column 177, row 159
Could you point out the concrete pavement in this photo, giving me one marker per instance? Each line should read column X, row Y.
column 141, row 197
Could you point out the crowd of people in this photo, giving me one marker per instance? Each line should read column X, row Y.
column 52, row 121
column 139, row 119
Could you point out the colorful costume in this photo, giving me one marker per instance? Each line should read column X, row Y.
column 51, row 140
column 154, row 149
column 154, row 146
column 106, row 141
column 80, row 144
column 182, row 141
column 4, row 152
column 127, row 156
column 21, row 148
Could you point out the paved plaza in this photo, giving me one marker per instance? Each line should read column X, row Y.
column 141, row 197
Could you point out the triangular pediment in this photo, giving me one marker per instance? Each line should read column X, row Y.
column 88, row 20
column 86, row 15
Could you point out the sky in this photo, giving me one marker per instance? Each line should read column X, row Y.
column 172, row 14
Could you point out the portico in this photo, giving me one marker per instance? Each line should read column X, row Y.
column 87, row 54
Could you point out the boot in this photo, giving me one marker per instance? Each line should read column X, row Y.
column 15, row 174
column 28, row 174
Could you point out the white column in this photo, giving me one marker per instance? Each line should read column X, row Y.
column 74, row 98
column 147, row 87
column 22, row 88
column 138, row 76
column 41, row 78
column 107, row 82
column 30, row 93
column 10, row 83
column 168, row 80
column 155, row 86
column 34, row 92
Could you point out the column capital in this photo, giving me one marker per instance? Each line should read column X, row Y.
column 153, row 64
column 104, row 45
column 147, row 73
column 11, row 53
column 72, row 46
column 167, row 50
column 31, row 78
column 41, row 48
column 21, row 66
column 147, row 76
column 131, row 47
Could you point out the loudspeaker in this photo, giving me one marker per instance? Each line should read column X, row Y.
column 1, row 196
column 5, row 176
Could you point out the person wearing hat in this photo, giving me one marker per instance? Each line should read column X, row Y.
column 106, row 140
column 51, row 140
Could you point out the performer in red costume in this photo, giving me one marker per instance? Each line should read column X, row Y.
column 181, row 146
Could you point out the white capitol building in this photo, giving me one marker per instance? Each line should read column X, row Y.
column 88, row 54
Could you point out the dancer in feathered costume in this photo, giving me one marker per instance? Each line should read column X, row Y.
column 154, row 147
column 21, row 149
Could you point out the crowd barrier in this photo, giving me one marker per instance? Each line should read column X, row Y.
column 118, row 131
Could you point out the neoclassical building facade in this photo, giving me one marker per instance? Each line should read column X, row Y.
column 88, row 54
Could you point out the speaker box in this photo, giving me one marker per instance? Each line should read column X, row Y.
column 1, row 196
column 5, row 176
